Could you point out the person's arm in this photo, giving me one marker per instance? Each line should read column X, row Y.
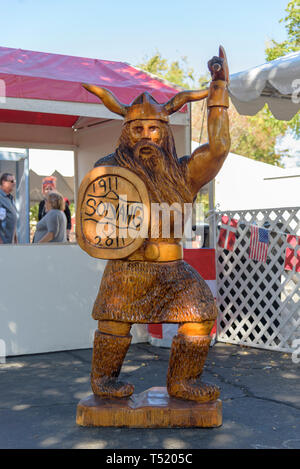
column 2, row 217
column 207, row 160
column 47, row 238
column 52, row 223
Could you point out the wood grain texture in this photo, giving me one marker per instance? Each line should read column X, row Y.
column 153, row 408
column 145, row 279
column 187, row 359
column 153, row 292
column 108, row 355
column 105, row 228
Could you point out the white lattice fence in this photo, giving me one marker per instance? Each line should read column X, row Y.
column 259, row 302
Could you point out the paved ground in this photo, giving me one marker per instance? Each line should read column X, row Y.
column 260, row 394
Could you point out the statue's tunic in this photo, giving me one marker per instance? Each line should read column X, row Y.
column 152, row 292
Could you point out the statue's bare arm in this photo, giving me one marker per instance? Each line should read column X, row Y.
column 206, row 161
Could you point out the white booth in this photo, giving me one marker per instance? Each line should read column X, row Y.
column 47, row 291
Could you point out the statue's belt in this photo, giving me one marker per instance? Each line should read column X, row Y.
column 158, row 252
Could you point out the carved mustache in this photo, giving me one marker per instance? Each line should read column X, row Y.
column 144, row 147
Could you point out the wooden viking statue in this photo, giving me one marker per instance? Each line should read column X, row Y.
column 154, row 284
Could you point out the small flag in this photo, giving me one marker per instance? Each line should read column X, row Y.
column 259, row 241
column 227, row 233
column 292, row 253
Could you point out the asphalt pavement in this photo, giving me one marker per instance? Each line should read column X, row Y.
column 260, row 392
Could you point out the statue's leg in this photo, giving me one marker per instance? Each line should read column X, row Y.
column 111, row 342
column 188, row 354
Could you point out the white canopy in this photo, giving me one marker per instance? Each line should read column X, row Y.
column 276, row 83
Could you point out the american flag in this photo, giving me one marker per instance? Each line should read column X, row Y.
column 259, row 242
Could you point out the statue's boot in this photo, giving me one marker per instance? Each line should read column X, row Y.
column 108, row 355
column 187, row 358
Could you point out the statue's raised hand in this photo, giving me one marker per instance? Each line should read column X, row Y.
column 218, row 66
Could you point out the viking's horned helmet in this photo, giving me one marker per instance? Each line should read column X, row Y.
column 145, row 106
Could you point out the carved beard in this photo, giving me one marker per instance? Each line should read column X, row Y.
column 159, row 168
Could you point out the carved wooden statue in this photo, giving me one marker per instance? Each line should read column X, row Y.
column 149, row 282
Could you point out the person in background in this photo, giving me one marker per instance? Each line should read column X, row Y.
column 8, row 211
column 53, row 226
column 68, row 215
column 49, row 185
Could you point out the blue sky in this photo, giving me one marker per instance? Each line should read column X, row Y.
column 131, row 30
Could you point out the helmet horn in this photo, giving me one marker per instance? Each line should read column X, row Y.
column 175, row 103
column 145, row 106
column 108, row 99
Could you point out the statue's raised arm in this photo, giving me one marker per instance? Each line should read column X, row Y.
column 207, row 160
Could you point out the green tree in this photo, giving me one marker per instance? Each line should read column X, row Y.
column 177, row 72
column 251, row 136
column 33, row 213
column 256, row 136
column 292, row 26
column 33, row 219
column 291, row 44
column 72, row 208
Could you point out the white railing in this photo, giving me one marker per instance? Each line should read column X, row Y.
column 259, row 302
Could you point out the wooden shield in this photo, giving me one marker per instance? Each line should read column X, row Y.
column 113, row 212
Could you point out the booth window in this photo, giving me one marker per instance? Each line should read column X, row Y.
column 30, row 168
column 16, row 162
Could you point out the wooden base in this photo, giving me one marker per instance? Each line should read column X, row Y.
column 153, row 408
